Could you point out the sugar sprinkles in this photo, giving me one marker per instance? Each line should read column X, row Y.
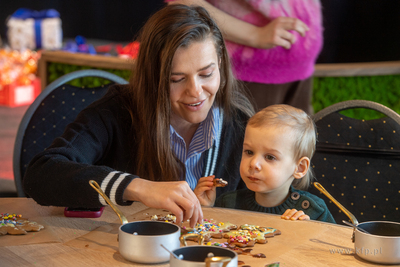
column 8, row 219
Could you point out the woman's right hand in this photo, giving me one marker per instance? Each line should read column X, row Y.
column 177, row 197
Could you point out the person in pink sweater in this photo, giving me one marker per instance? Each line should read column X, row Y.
column 273, row 46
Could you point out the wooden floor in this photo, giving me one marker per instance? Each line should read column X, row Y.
column 9, row 122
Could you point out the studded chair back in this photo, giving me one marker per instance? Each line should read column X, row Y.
column 358, row 162
column 46, row 118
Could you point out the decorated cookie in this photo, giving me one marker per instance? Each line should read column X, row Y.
column 248, row 235
column 267, row 231
column 209, row 229
column 13, row 224
column 241, row 238
column 164, row 218
column 219, row 182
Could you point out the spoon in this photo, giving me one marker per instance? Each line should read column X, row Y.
column 356, row 226
column 345, row 211
column 180, row 257
column 96, row 187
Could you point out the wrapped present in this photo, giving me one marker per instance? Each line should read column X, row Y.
column 20, row 93
column 30, row 29
column 18, row 82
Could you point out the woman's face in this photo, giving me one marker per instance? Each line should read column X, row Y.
column 194, row 82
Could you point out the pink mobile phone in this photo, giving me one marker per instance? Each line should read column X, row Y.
column 83, row 212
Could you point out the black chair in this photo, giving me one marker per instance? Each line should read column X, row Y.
column 358, row 161
column 46, row 118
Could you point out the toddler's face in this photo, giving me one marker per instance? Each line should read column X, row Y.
column 268, row 159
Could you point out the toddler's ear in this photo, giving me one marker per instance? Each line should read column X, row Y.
column 301, row 168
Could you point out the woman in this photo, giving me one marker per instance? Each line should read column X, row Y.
column 181, row 117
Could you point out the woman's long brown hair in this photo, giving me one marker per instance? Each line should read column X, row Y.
column 172, row 27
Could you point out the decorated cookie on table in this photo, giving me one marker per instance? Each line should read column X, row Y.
column 266, row 231
column 241, row 238
column 14, row 224
column 164, row 218
column 209, row 229
column 248, row 235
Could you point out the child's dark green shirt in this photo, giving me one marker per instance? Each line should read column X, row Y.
column 310, row 204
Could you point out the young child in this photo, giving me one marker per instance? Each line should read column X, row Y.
column 278, row 145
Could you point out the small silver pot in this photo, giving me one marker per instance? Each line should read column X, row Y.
column 381, row 245
column 382, row 242
column 202, row 256
column 198, row 256
column 141, row 241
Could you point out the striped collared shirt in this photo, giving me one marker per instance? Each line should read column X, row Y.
column 203, row 139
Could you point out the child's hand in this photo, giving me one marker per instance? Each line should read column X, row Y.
column 293, row 214
column 205, row 191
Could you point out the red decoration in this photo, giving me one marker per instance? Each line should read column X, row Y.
column 131, row 50
column 15, row 94
column 18, row 83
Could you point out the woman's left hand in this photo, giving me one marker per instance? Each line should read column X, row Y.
column 293, row 214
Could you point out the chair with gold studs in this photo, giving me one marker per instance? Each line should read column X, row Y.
column 358, row 160
column 46, row 118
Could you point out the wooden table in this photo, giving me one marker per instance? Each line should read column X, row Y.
column 73, row 240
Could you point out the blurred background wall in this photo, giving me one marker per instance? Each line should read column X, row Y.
column 355, row 30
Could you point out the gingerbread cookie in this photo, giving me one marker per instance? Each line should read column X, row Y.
column 240, row 238
column 267, row 231
column 164, row 218
column 209, row 229
column 219, row 182
column 13, row 224
column 248, row 235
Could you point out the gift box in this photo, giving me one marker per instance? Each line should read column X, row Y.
column 18, row 82
column 30, row 29
column 15, row 94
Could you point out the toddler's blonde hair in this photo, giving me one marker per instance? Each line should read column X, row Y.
column 303, row 132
